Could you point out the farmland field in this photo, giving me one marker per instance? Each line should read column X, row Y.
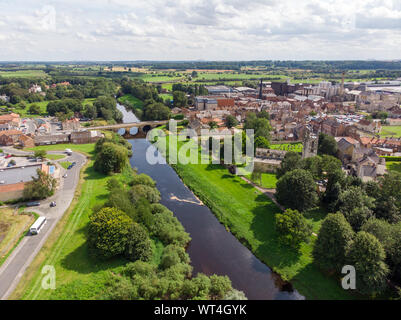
column 23, row 74
column 296, row 147
column 388, row 131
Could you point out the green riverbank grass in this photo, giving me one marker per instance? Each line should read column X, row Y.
column 249, row 215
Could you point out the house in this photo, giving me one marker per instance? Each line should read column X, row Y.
column 85, row 136
column 43, row 128
column 370, row 167
column 51, row 139
column 10, row 137
column 71, row 125
column 35, row 89
column 13, row 119
column 346, row 147
column 369, row 126
column 4, row 98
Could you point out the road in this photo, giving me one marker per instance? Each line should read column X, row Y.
column 14, row 267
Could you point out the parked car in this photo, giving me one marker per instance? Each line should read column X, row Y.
column 65, row 176
column 8, row 156
column 53, row 204
column 33, row 204
column 2, row 182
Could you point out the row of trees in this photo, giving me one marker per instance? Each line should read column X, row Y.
column 365, row 230
column 130, row 224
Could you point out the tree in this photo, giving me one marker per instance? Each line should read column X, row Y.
column 356, row 206
column 327, row 145
column 41, row 187
column 332, row 242
column 34, row 109
column 111, row 158
column 297, row 190
column 293, row 227
column 261, row 126
column 109, row 231
column 139, row 191
column 290, row 162
column 388, row 203
column 261, row 142
column 90, row 111
column 179, row 99
column 367, row 255
column 213, row 124
column 139, row 246
column 41, row 154
column 156, row 111
column 231, row 121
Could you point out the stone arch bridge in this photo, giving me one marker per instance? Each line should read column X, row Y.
column 143, row 128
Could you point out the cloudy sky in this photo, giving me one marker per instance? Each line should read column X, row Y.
column 199, row 29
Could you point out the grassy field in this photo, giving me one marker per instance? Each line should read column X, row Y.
column 23, row 74
column 65, row 164
column 165, row 96
column 388, row 131
column 249, row 215
column 138, row 104
column 12, row 227
column 269, row 180
column 296, row 147
column 393, row 166
column 85, row 148
column 55, row 156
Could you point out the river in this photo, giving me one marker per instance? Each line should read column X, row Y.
column 213, row 250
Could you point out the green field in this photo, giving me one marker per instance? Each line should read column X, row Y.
column 249, row 215
column 269, row 180
column 65, row 164
column 23, row 74
column 296, row 147
column 85, row 148
column 393, row 166
column 55, row 156
column 388, row 131
column 165, row 96
column 131, row 100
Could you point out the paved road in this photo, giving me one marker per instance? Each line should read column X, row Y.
column 13, row 269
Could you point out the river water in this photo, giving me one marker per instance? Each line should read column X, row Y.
column 213, row 250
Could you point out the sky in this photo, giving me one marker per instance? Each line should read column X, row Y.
column 113, row 30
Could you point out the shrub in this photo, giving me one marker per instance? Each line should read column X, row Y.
column 109, row 231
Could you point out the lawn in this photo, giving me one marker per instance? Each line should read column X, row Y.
column 388, row 131
column 13, row 226
column 133, row 101
column 23, row 74
column 394, row 166
column 249, row 215
column 65, row 164
column 269, row 180
column 55, row 156
column 296, row 147
column 85, row 148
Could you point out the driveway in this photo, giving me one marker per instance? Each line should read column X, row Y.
column 14, row 267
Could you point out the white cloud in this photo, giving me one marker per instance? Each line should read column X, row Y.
column 201, row 29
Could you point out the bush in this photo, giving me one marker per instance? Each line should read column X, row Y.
column 173, row 255
column 139, row 246
column 109, row 231
column 142, row 179
column 144, row 191
column 111, row 158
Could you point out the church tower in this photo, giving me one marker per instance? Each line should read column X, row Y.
column 310, row 143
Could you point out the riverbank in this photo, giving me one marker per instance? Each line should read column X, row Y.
column 249, row 215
